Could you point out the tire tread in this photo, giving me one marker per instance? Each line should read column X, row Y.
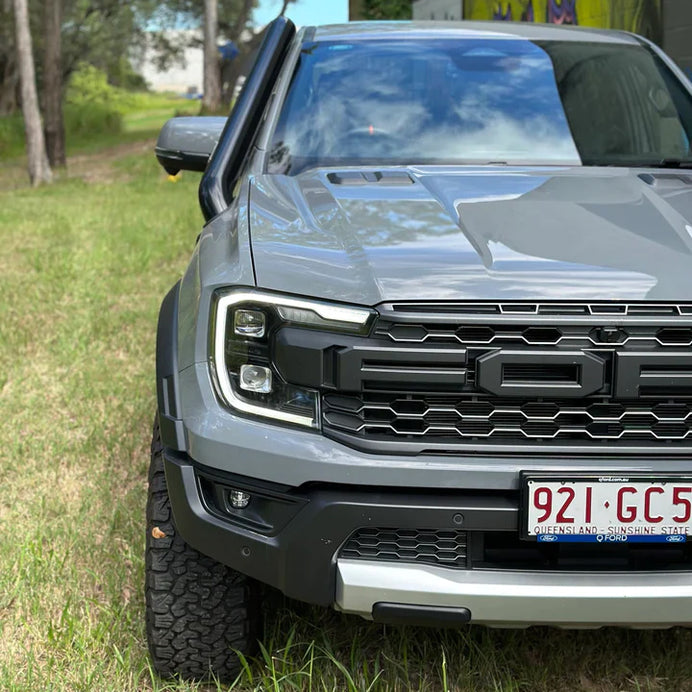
column 197, row 610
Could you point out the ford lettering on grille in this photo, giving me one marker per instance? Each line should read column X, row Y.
column 579, row 374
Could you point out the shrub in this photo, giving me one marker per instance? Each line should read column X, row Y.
column 88, row 84
column 91, row 119
column 94, row 108
column 11, row 135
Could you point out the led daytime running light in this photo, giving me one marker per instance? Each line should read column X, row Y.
column 334, row 316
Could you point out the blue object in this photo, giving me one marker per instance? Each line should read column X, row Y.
column 611, row 539
column 228, row 51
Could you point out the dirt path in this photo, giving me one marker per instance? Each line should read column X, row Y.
column 95, row 167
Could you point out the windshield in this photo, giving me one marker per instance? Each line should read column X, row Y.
column 481, row 100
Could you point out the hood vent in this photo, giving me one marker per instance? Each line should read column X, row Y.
column 370, row 178
column 666, row 179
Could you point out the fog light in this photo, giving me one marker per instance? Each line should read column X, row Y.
column 255, row 378
column 249, row 323
column 238, row 499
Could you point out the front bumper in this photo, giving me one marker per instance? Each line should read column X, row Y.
column 293, row 543
column 293, row 546
column 497, row 598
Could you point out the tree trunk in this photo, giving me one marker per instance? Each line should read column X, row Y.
column 356, row 10
column 52, row 84
column 211, row 100
column 39, row 170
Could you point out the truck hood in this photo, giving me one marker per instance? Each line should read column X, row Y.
column 469, row 233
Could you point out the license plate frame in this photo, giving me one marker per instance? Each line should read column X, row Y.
column 610, row 477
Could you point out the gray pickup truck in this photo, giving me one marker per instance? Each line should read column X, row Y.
column 431, row 360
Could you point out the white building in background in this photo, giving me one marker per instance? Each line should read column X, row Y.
column 185, row 75
column 438, row 10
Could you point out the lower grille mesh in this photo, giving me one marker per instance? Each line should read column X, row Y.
column 443, row 547
column 505, row 550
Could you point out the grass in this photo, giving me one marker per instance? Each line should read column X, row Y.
column 83, row 267
column 138, row 116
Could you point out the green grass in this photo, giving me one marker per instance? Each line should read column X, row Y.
column 151, row 119
column 83, row 267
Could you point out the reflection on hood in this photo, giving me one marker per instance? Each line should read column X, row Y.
column 492, row 233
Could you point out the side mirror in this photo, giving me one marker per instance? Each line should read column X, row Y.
column 186, row 144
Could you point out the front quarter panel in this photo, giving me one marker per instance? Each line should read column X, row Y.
column 222, row 258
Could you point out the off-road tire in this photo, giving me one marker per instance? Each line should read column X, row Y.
column 198, row 611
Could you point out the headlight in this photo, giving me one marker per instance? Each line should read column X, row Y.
column 243, row 325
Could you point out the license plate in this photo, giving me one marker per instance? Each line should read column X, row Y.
column 606, row 508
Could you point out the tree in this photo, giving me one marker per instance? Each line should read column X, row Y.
column 387, row 9
column 102, row 32
column 355, row 10
column 247, row 49
column 53, row 83
column 211, row 100
column 234, row 23
column 9, row 75
column 39, row 170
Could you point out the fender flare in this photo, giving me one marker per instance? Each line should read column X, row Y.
column 167, row 382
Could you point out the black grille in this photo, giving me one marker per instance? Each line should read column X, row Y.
column 423, row 380
column 567, row 336
column 442, row 547
column 504, row 550
column 384, row 416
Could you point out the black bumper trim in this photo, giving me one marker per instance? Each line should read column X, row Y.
column 300, row 560
column 420, row 616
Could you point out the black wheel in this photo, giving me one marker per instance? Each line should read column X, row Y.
column 198, row 611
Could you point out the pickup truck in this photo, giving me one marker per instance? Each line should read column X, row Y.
column 430, row 362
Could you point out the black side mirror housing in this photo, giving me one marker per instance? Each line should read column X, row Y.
column 186, row 144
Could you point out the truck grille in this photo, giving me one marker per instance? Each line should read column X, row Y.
column 604, row 336
column 444, row 547
column 448, row 377
column 382, row 416
column 505, row 550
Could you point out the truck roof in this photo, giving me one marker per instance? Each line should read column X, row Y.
column 467, row 29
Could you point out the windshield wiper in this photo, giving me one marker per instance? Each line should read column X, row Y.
column 675, row 163
column 662, row 163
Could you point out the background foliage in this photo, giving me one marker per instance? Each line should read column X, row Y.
column 387, row 9
column 107, row 34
